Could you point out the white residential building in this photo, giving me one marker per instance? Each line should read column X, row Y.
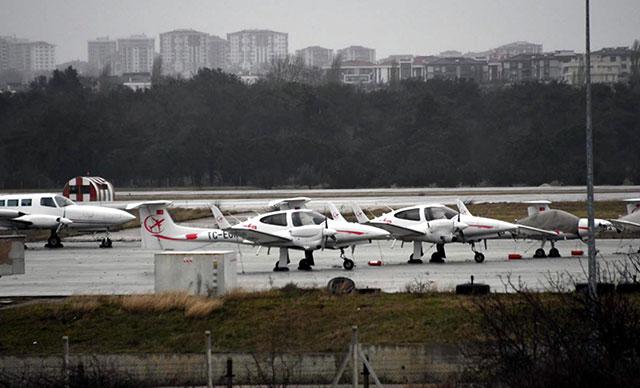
column 183, row 52
column 254, row 50
column 135, row 54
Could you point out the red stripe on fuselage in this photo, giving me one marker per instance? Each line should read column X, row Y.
column 350, row 232
column 482, row 226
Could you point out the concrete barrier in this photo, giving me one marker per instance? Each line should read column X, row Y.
column 12, row 255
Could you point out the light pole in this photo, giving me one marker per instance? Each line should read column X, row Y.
column 591, row 224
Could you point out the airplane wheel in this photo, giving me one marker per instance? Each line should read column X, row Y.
column 436, row 258
column 478, row 257
column 414, row 261
column 539, row 253
column 277, row 268
column 348, row 264
column 554, row 252
column 304, row 265
column 106, row 243
column 53, row 242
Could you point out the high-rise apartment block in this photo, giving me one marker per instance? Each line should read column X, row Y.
column 315, row 56
column 357, row 53
column 135, row 54
column 102, row 56
column 253, row 50
column 183, row 52
column 217, row 52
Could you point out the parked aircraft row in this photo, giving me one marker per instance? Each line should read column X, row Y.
column 293, row 226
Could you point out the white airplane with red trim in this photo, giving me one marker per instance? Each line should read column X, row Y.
column 440, row 225
column 296, row 227
column 55, row 213
column 159, row 232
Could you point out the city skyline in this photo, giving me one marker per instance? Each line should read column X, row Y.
column 411, row 27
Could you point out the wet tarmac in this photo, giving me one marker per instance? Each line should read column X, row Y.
column 83, row 268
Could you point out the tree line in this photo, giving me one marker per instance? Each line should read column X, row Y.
column 214, row 130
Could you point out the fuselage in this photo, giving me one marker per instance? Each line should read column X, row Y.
column 48, row 211
column 308, row 230
column 437, row 223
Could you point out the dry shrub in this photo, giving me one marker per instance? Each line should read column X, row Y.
column 192, row 305
column 201, row 308
column 82, row 304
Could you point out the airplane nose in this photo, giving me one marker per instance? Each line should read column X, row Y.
column 377, row 233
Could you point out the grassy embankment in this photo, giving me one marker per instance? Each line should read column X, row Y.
column 280, row 320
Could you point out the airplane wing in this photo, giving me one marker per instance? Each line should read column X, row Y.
column 259, row 238
column 525, row 231
column 622, row 224
column 398, row 231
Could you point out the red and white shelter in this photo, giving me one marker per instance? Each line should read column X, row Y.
column 89, row 189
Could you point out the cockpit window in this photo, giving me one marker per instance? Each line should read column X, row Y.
column 307, row 218
column 279, row 219
column 62, row 201
column 439, row 213
column 411, row 214
column 47, row 201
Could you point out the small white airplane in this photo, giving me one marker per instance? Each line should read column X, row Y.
column 440, row 225
column 566, row 226
column 159, row 232
column 55, row 212
column 295, row 227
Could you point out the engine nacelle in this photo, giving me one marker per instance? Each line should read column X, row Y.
column 600, row 226
column 43, row 221
column 445, row 231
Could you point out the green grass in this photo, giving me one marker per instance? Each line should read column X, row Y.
column 309, row 320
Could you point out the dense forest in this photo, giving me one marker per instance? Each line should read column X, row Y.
column 214, row 130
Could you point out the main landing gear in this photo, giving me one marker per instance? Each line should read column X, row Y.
column 477, row 256
column 553, row 252
column 283, row 261
column 306, row 263
column 416, row 256
column 106, row 242
column 439, row 255
column 53, row 241
column 347, row 263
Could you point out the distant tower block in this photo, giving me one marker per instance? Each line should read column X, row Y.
column 89, row 189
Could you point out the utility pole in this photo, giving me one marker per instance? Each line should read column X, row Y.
column 591, row 235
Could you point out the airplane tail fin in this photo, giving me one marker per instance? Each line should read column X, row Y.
column 360, row 216
column 335, row 213
column 220, row 219
column 536, row 207
column 155, row 222
column 462, row 208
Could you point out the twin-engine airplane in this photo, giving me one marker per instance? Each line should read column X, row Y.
column 55, row 212
column 295, row 227
column 440, row 225
column 159, row 232
column 565, row 225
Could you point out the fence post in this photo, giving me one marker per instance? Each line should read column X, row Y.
column 229, row 375
column 207, row 335
column 65, row 360
column 354, row 350
column 365, row 374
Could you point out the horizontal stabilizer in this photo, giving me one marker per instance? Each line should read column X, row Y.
column 290, row 203
column 538, row 206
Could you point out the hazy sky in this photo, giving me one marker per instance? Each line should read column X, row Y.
column 389, row 26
